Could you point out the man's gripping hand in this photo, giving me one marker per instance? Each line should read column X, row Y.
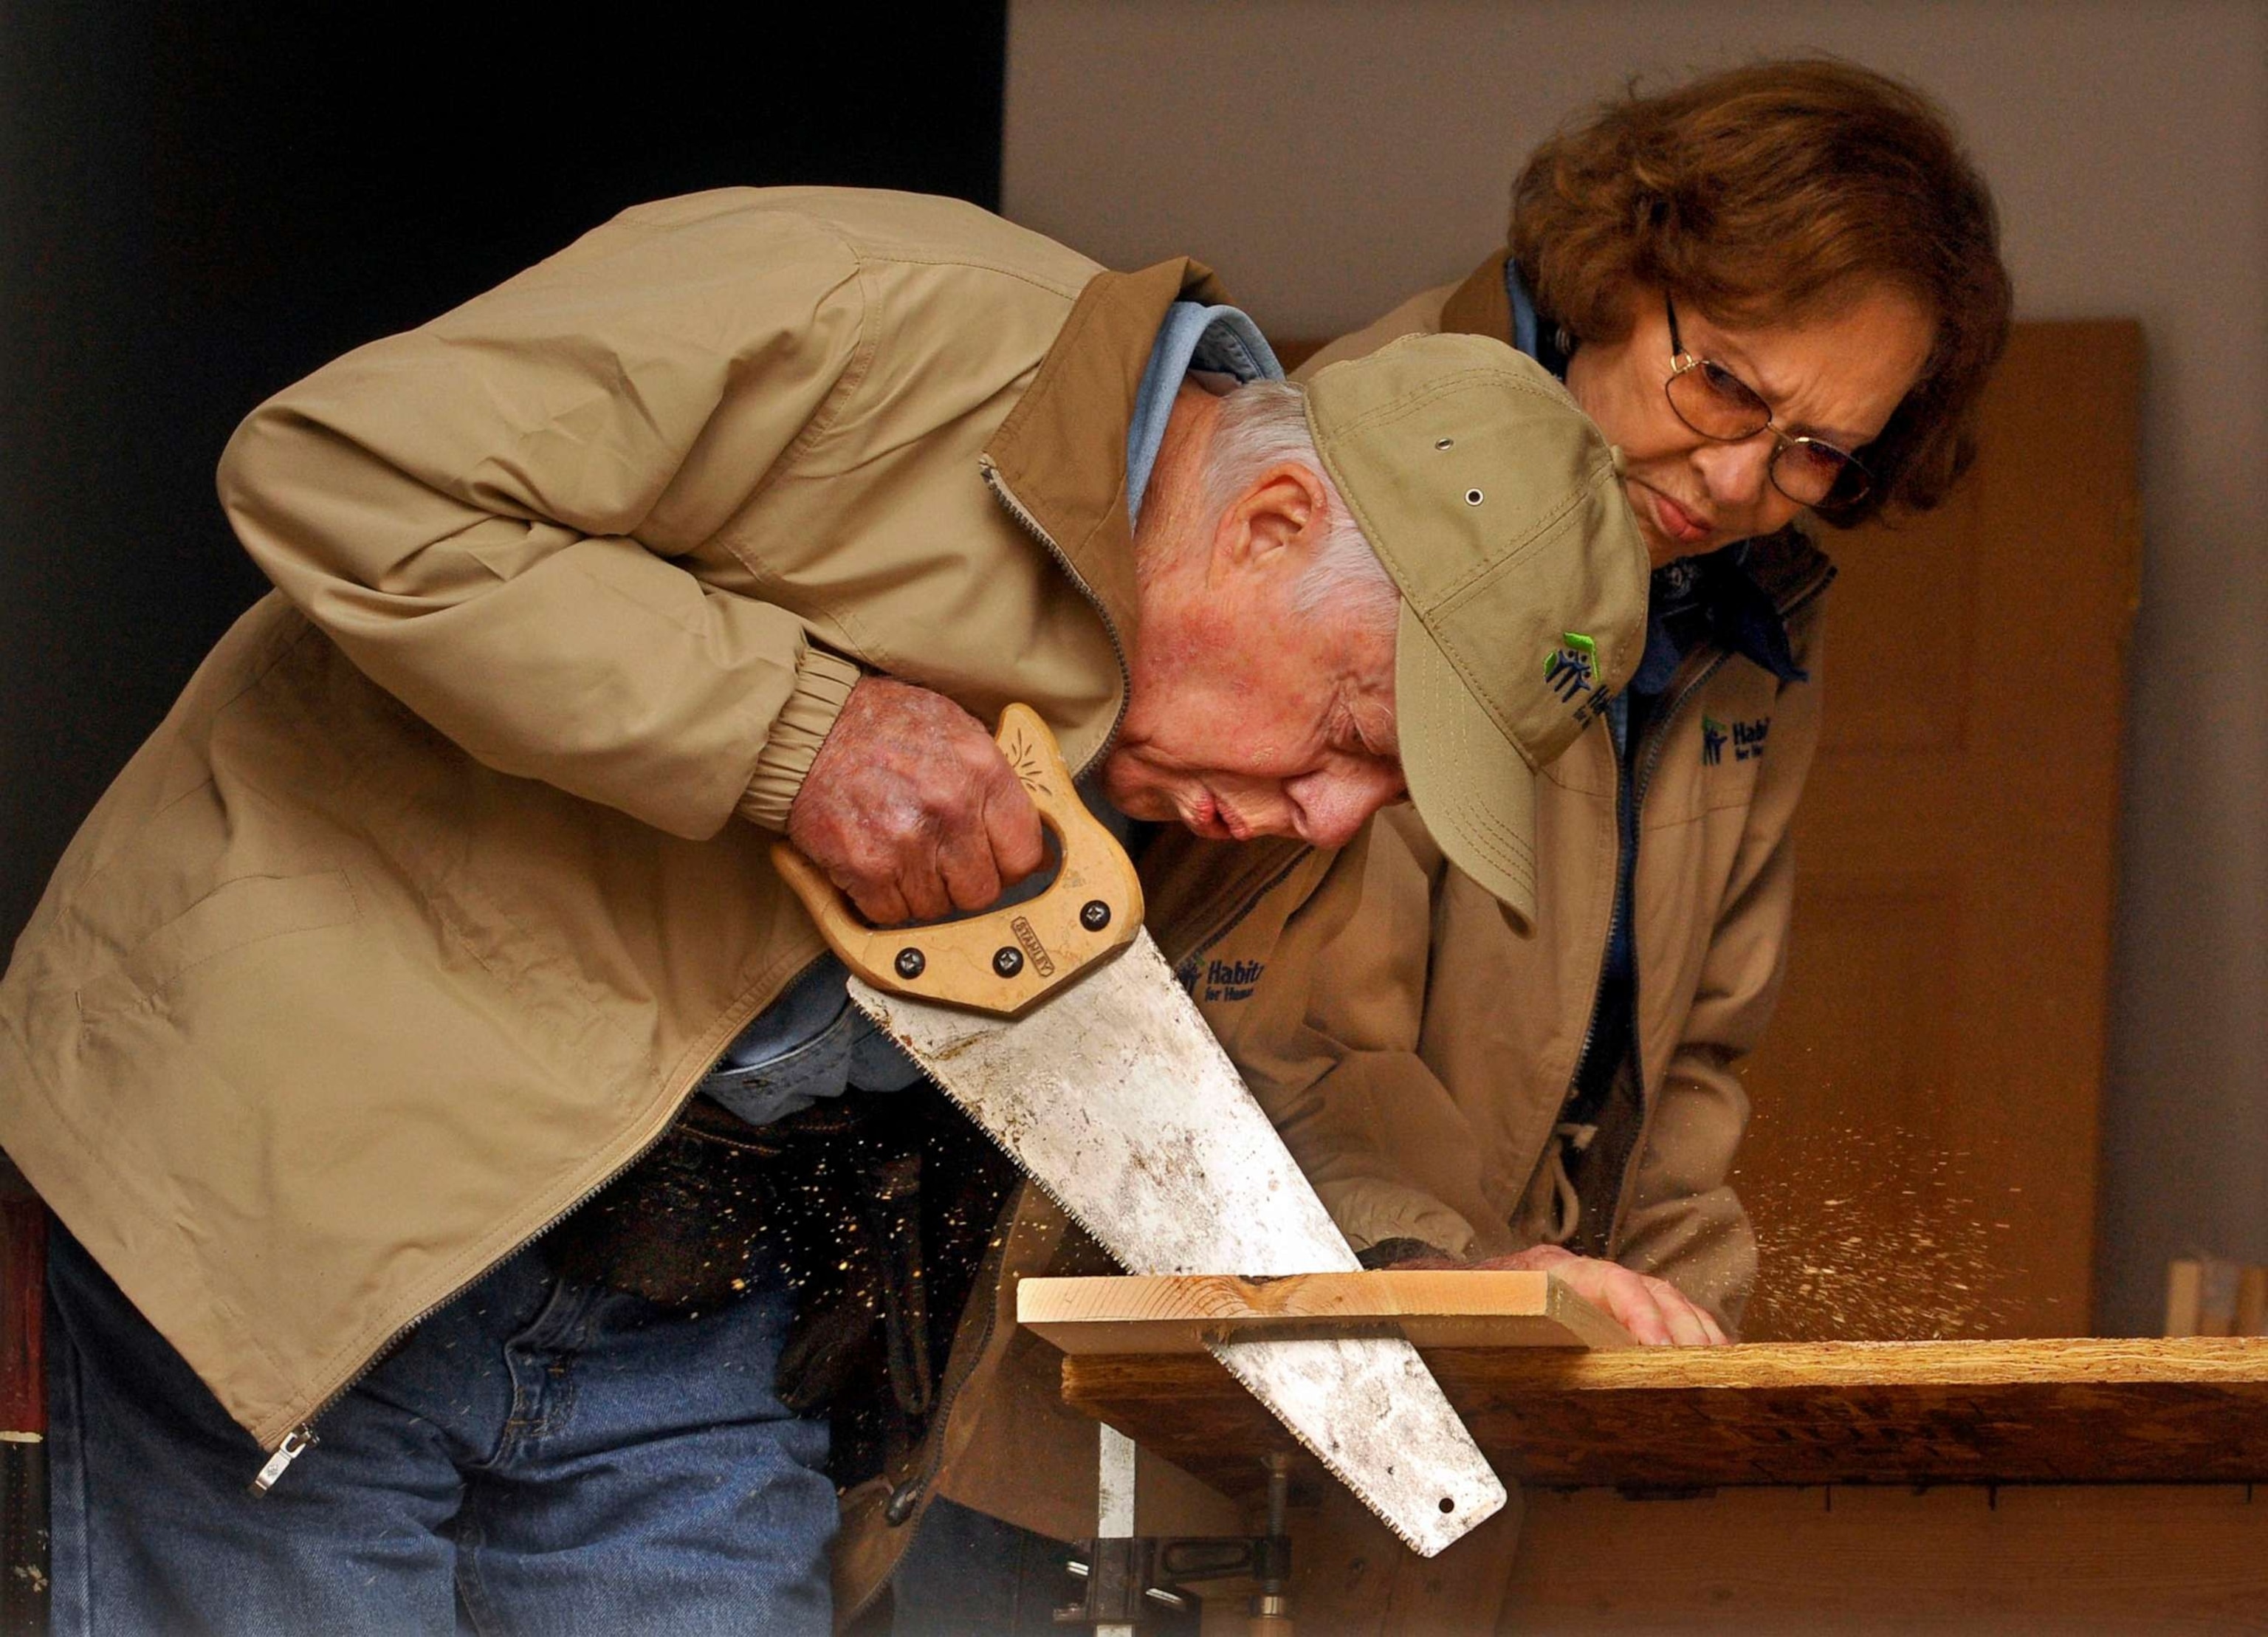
column 911, row 808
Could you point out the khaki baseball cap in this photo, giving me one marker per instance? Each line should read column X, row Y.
column 1498, row 508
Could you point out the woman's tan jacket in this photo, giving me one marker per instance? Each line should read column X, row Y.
column 1455, row 1042
column 446, row 877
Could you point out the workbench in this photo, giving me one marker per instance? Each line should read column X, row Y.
column 2036, row 1484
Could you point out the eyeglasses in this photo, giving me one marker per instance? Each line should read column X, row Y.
column 1720, row 406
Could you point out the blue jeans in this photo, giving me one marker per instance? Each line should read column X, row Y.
column 541, row 1456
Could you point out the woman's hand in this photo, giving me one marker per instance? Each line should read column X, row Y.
column 1652, row 1309
column 911, row 808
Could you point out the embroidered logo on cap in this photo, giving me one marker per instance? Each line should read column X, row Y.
column 1573, row 667
column 1571, row 671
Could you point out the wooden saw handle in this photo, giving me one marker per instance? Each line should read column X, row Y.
column 997, row 961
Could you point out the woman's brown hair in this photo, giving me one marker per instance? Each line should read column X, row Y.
column 1760, row 195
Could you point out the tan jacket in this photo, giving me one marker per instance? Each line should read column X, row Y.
column 420, row 915
column 1455, row 1042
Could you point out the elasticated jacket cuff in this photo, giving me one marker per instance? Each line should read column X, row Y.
column 823, row 681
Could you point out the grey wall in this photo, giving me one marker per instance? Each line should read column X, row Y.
column 1331, row 158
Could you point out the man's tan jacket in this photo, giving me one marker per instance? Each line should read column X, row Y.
column 446, row 878
column 1454, row 1042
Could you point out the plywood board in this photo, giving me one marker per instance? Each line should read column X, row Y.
column 1822, row 1413
column 1181, row 1314
column 2133, row 1558
column 2037, row 1559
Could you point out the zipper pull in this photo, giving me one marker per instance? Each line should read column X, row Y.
column 295, row 1443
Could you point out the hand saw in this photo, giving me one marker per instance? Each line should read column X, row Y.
column 1110, row 1093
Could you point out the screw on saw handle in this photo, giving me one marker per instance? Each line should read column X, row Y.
column 999, row 961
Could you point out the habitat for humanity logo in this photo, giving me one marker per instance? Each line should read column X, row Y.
column 1746, row 738
column 1232, row 980
column 1571, row 671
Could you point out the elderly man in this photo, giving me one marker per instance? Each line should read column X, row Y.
column 440, row 904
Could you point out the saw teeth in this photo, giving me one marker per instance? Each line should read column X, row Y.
column 1489, row 1495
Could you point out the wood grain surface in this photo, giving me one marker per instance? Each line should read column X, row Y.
column 1181, row 1313
column 2132, row 1558
column 1657, row 1419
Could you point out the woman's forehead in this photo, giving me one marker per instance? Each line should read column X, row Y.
column 1838, row 375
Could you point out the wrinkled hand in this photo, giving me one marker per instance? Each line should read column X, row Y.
column 1653, row 1310
column 911, row 808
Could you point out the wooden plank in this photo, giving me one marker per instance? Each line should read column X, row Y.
column 2036, row 1559
column 2133, row 1558
column 1182, row 1314
column 2085, row 1410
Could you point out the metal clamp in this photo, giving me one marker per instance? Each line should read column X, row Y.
column 1130, row 1578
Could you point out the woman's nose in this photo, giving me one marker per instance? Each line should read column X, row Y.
column 1736, row 474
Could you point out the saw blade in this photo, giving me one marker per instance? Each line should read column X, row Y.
column 1115, row 1097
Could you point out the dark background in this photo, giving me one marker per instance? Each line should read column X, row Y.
column 200, row 204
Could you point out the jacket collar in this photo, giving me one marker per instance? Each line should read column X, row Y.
column 1062, row 452
column 1479, row 306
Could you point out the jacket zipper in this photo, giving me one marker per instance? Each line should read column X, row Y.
column 304, row 1437
column 1657, row 737
column 1250, row 902
column 1614, row 914
column 1031, row 525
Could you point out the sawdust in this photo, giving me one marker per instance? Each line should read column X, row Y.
column 1882, row 1235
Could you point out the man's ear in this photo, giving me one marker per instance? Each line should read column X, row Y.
column 1271, row 526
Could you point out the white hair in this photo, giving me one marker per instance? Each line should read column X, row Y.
column 1263, row 423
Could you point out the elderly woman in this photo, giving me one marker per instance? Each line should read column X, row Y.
column 1778, row 290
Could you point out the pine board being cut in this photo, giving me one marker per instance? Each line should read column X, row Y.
column 1654, row 1418
column 1181, row 1313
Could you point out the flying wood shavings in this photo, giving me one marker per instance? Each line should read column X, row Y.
column 1878, row 1236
